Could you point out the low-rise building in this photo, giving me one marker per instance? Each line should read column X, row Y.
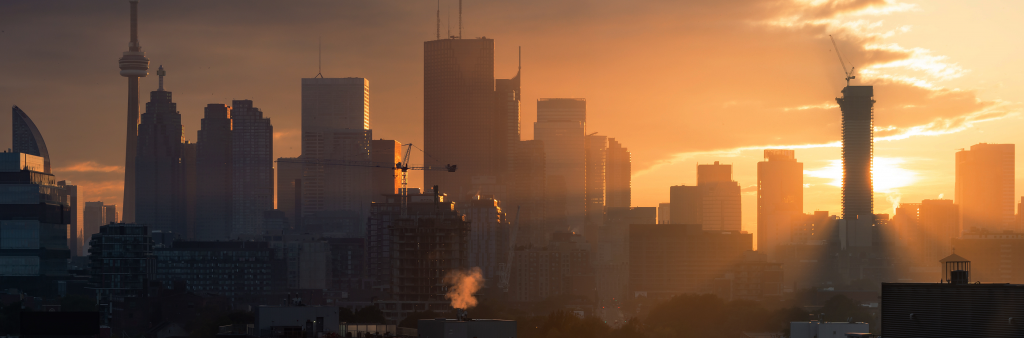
column 671, row 259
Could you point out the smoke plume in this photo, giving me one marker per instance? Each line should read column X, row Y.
column 462, row 285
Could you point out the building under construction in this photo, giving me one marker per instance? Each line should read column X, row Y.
column 412, row 247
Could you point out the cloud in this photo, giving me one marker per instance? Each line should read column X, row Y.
column 90, row 166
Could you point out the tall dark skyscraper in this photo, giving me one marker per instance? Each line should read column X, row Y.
column 858, row 137
column 213, row 174
column 508, row 97
column 458, row 106
column 617, row 175
column 780, row 199
column 134, row 65
column 252, row 153
column 26, row 137
column 159, row 179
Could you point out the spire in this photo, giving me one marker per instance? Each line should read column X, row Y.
column 439, row 19
column 134, row 45
column 160, row 71
column 460, row 19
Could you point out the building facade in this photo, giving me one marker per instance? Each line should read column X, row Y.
column 985, row 187
column 780, row 199
column 159, row 174
column 858, row 141
column 385, row 154
column 213, row 174
column 561, row 125
column 720, row 197
column 121, row 264
column 246, row 272
column 618, row 175
column 671, row 259
column 252, row 169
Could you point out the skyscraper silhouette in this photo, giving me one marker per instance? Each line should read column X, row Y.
column 617, row 175
column 252, row 166
column 159, row 180
column 984, row 187
column 858, row 143
column 780, row 199
column 561, row 125
column 134, row 65
column 213, row 174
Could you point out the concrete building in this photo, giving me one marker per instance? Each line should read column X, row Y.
column 984, row 187
column 76, row 234
column 246, row 272
column 213, row 174
column 617, row 175
column 459, row 118
column 121, row 264
column 720, row 197
column 252, row 169
column 386, row 179
column 33, row 226
column 335, row 131
column 561, row 125
column 529, row 194
column 780, row 199
column 671, row 259
column 488, row 234
column 159, row 176
column 596, row 149
column 410, row 252
column 858, row 142
column 562, row 268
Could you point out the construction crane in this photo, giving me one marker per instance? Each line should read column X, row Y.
column 849, row 74
column 403, row 166
column 505, row 269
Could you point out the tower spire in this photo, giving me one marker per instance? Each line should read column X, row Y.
column 160, row 72
column 133, row 65
column 460, row 19
column 439, row 19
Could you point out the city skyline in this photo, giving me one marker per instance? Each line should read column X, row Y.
column 909, row 169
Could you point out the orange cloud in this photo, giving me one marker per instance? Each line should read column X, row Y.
column 90, row 166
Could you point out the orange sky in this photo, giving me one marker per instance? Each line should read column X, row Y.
column 678, row 83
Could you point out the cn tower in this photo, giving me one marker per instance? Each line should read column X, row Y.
column 134, row 65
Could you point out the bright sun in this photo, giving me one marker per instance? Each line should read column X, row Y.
column 887, row 174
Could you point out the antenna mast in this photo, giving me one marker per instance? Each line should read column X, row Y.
column 439, row 19
column 460, row 19
column 319, row 57
column 849, row 74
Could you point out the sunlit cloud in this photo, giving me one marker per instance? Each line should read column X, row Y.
column 826, row 105
column 90, row 166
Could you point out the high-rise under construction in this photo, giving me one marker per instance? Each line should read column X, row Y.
column 858, row 137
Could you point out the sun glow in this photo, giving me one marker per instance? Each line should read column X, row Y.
column 888, row 174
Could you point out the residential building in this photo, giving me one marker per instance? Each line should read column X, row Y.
column 561, row 125
column 348, row 263
column 617, row 175
column 247, row 272
column 213, row 174
column 159, row 176
column 858, row 142
column 611, row 263
column 121, row 264
column 252, row 169
column 671, row 259
column 985, row 187
column 335, row 131
column 780, row 199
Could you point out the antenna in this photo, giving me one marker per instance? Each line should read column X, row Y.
column 439, row 19
column 849, row 74
column 449, row 22
column 460, row 19
column 520, row 64
column 320, row 57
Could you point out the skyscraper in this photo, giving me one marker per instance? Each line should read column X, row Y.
column 109, row 213
column 528, row 193
column 335, row 131
column 134, row 65
column 459, row 112
column 159, row 179
column 213, row 174
column 252, row 167
column 26, row 137
column 92, row 218
column 76, row 235
column 721, row 197
column 289, row 189
column 507, row 104
column 596, row 148
column 780, row 199
column 985, row 187
column 188, row 169
column 386, row 179
column 561, row 125
column 617, row 175
column 858, row 137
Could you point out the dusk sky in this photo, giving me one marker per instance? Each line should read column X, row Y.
column 677, row 82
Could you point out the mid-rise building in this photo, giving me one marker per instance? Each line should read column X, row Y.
column 213, row 174
column 561, row 125
column 307, row 258
column 753, row 278
column 611, row 255
column 488, row 234
column 780, row 199
column 385, row 154
column 529, row 195
column 335, row 132
column 246, row 272
column 665, row 213
column 252, row 169
column 995, row 257
column 33, row 226
column 121, row 264
column 76, row 234
column 110, row 213
column 159, row 174
column 93, row 218
column 671, row 259
column 289, row 189
column 720, row 197
column 617, row 175
column 348, row 263
column 984, row 187
column 561, row 268
column 686, row 204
